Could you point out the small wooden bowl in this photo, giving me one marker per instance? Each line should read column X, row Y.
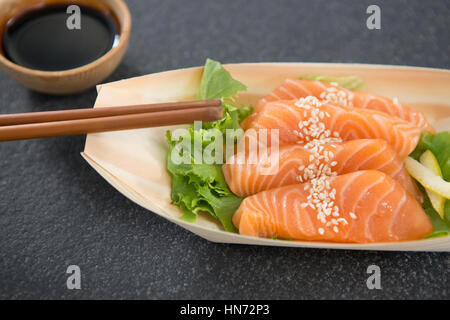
column 73, row 80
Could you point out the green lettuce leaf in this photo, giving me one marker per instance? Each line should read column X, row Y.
column 202, row 187
column 217, row 83
column 349, row 82
column 232, row 118
column 439, row 145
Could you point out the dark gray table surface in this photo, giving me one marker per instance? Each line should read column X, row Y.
column 56, row 211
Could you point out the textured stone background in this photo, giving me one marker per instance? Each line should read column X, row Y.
column 56, row 211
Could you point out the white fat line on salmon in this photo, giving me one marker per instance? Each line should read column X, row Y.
column 320, row 168
column 396, row 102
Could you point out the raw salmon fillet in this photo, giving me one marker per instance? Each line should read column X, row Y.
column 295, row 89
column 300, row 163
column 359, row 207
column 306, row 119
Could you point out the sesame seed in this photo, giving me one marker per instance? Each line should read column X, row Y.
column 334, row 95
column 317, row 139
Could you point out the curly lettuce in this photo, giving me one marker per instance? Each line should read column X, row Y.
column 201, row 187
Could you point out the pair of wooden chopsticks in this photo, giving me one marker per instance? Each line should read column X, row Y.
column 82, row 121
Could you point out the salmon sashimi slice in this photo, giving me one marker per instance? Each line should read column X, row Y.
column 301, row 163
column 307, row 119
column 295, row 89
column 359, row 207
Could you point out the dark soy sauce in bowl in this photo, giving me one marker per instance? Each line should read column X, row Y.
column 40, row 39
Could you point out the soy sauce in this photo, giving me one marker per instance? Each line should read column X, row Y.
column 40, row 38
